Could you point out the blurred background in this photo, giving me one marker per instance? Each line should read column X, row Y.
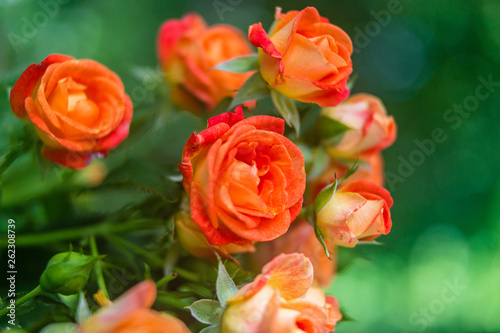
column 434, row 63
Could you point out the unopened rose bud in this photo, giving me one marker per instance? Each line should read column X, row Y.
column 67, row 273
column 359, row 126
column 356, row 212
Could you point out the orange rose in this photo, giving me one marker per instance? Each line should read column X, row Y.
column 281, row 299
column 357, row 212
column 244, row 179
column 371, row 129
column 195, row 242
column 131, row 313
column 188, row 50
column 302, row 239
column 304, row 57
column 79, row 108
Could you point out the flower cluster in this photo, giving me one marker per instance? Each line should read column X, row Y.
column 249, row 191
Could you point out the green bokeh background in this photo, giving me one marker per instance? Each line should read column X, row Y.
column 425, row 58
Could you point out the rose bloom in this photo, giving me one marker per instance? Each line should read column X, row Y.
column 301, row 239
column 358, row 211
column 188, row 50
column 304, row 57
column 194, row 241
column 371, row 168
column 371, row 128
column 244, row 179
column 131, row 313
column 79, row 108
column 281, row 300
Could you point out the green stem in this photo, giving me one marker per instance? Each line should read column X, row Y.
column 172, row 301
column 97, row 267
column 166, row 279
column 187, row 274
column 154, row 259
column 32, row 294
column 36, row 239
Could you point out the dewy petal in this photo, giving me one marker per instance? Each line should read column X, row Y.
column 304, row 59
column 364, row 186
column 362, row 219
column 338, row 209
column 292, row 274
column 256, row 315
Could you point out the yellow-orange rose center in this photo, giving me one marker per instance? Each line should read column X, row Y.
column 69, row 99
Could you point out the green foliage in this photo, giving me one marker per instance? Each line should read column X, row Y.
column 225, row 285
column 241, row 64
column 67, row 273
column 287, row 108
column 207, row 311
column 254, row 88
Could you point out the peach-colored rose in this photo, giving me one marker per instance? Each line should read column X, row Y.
column 302, row 239
column 371, row 168
column 304, row 57
column 245, row 180
column 281, row 300
column 194, row 241
column 79, row 108
column 188, row 50
column 371, row 128
column 131, row 313
column 358, row 211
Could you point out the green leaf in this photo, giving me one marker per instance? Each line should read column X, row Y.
column 371, row 242
column 331, row 130
column 60, row 328
column 325, row 196
column 253, row 89
column 82, row 309
column 352, row 81
column 321, row 161
column 240, row 65
column 225, row 285
column 312, row 112
column 351, row 170
column 287, row 109
column 211, row 329
column 320, row 238
column 207, row 311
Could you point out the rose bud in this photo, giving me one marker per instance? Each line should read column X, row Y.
column 188, row 51
column 304, row 57
column 131, row 313
column 194, row 241
column 244, row 179
column 281, row 299
column 300, row 238
column 67, row 273
column 358, row 211
column 368, row 128
column 79, row 108
column 371, row 168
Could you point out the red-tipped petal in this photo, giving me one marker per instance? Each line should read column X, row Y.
column 26, row 83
